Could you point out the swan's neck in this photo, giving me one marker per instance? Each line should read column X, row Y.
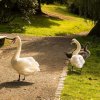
column 77, row 49
column 17, row 54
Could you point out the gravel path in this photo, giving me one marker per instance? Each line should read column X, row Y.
column 49, row 52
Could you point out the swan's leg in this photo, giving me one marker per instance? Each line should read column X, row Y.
column 19, row 78
column 24, row 78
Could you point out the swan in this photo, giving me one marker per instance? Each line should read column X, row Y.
column 84, row 52
column 77, row 60
column 26, row 65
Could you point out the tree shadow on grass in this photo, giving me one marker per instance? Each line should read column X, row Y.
column 44, row 21
column 18, row 25
column 14, row 84
column 76, row 72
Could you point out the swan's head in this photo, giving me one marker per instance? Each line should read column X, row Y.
column 74, row 41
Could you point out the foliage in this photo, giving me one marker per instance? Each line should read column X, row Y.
column 73, row 6
column 88, row 8
column 54, row 1
column 26, row 6
column 10, row 8
column 6, row 10
column 91, row 8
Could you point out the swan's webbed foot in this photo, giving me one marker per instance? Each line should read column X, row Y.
column 19, row 78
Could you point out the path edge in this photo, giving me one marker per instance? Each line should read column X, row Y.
column 60, row 84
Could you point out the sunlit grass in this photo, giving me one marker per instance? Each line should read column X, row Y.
column 62, row 27
column 49, row 26
column 87, row 85
column 58, row 9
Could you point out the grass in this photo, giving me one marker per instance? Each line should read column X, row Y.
column 58, row 9
column 87, row 85
column 49, row 26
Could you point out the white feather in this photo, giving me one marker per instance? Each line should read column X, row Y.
column 25, row 65
column 77, row 61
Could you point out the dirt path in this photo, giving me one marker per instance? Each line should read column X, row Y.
column 49, row 52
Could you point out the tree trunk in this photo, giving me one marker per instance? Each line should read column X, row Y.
column 95, row 30
column 38, row 10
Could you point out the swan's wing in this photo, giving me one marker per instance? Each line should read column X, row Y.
column 23, row 63
column 32, row 61
column 26, row 66
column 81, row 59
column 77, row 61
column 34, row 65
column 27, row 62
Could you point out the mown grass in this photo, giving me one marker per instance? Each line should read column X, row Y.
column 87, row 85
column 58, row 9
column 49, row 26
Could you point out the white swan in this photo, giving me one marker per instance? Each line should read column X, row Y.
column 26, row 65
column 83, row 52
column 77, row 60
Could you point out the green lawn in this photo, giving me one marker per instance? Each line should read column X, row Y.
column 87, row 85
column 49, row 26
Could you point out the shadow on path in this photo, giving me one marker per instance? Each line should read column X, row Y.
column 14, row 84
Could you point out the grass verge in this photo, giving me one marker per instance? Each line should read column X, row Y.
column 87, row 85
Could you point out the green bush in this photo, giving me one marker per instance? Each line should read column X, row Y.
column 10, row 8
